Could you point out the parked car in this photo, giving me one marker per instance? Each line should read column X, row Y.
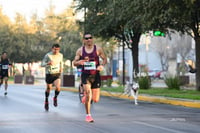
column 155, row 74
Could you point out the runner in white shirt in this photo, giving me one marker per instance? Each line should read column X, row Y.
column 53, row 62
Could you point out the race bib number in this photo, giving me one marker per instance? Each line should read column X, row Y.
column 55, row 68
column 4, row 66
column 91, row 65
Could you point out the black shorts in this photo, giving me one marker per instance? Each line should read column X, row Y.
column 50, row 78
column 3, row 74
column 95, row 80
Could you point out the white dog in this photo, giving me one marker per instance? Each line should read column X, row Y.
column 132, row 89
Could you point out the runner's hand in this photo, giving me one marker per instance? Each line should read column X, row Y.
column 50, row 63
column 81, row 62
column 100, row 68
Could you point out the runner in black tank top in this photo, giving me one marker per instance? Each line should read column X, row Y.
column 4, row 65
column 89, row 68
column 92, row 61
column 88, row 56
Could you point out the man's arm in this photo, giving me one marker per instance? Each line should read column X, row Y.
column 44, row 61
column 76, row 61
column 61, row 64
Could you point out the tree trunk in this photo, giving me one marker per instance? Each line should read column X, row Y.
column 197, row 46
column 135, row 55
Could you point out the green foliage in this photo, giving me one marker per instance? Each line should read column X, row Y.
column 119, row 89
column 144, row 82
column 28, row 42
column 172, row 82
column 108, row 18
column 182, row 68
column 109, row 82
column 187, row 94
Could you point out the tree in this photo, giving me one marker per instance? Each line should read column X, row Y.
column 68, row 33
column 28, row 42
column 4, row 30
column 109, row 18
column 181, row 15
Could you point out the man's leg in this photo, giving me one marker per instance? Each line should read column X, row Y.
column 6, row 85
column 96, row 94
column 96, row 88
column 1, row 81
column 57, row 83
column 47, row 92
column 88, row 96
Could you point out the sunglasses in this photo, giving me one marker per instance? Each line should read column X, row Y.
column 87, row 38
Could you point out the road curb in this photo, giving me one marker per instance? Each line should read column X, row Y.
column 173, row 101
column 148, row 98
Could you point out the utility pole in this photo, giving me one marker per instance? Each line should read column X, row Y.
column 123, row 58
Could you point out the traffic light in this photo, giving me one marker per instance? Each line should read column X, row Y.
column 158, row 33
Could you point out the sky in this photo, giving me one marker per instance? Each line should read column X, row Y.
column 28, row 7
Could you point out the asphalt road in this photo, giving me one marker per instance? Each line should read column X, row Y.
column 21, row 111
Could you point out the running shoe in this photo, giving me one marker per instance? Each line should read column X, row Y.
column 89, row 119
column 5, row 93
column 46, row 105
column 55, row 102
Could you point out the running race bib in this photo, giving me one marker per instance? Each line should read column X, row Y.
column 4, row 66
column 55, row 68
column 91, row 65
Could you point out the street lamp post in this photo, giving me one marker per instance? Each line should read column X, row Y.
column 123, row 58
column 147, row 50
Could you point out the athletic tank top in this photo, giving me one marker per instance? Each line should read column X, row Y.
column 4, row 65
column 90, row 66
